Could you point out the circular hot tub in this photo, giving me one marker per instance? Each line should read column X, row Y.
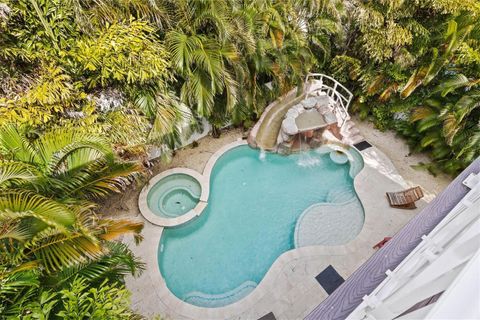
column 171, row 197
column 174, row 195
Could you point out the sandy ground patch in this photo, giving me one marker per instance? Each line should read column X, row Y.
column 398, row 151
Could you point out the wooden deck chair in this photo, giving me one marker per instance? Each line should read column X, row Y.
column 405, row 199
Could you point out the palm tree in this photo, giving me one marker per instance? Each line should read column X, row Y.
column 454, row 36
column 63, row 163
column 17, row 288
column 448, row 123
column 46, row 183
column 201, row 54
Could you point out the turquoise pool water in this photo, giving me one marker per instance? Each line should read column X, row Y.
column 253, row 207
column 174, row 195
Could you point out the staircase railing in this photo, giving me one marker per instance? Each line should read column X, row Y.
column 335, row 90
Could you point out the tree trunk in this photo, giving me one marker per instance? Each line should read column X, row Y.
column 216, row 132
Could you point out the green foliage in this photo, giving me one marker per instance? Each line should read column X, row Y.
column 18, row 288
column 117, row 262
column 83, row 83
column 49, row 228
column 125, row 53
column 65, row 77
column 69, row 162
column 225, row 60
column 38, row 30
column 105, row 302
column 450, row 131
column 345, row 68
column 401, row 55
column 226, row 52
column 76, row 301
column 86, row 86
column 49, row 94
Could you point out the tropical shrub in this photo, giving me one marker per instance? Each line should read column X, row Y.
column 84, row 62
column 224, row 60
column 78, row 300
column 50, row 230
column 448, row 125
column 126, row 53
column 399, row 56
column 105, row 302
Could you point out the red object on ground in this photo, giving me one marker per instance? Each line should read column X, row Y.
column 382, row 243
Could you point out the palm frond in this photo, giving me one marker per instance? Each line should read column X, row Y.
column 14, row 172
column 97, row 180
column 197, row 90
column 116, row 263
column 466, row 104
column 430, row 138
column 451, row 126
column 60, row 145
column 21, row 204
column 12, row 231
column 415, row 80
column 57, row 251
column 15, row 145
column 182, row 47
column 112, row 229
column 451, row 84
column 428, row 122
column 17, row 289
column 421, row 113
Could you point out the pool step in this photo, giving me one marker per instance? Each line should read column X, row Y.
column 218, row 300
column 329, row 223
column 350, row 133
column 340, row 195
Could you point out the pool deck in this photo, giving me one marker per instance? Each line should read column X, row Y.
column 289, row 289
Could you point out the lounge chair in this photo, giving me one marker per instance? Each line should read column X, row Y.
column 405, row 199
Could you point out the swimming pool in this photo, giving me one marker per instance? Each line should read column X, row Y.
column 254, row 203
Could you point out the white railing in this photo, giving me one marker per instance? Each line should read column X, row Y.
column 433, row 267
column 335, row 90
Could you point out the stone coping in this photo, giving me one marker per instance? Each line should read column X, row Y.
column 267, row 284
column 207, row 171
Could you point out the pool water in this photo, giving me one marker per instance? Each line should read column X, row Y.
column 174, row 195
column 254, row 203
